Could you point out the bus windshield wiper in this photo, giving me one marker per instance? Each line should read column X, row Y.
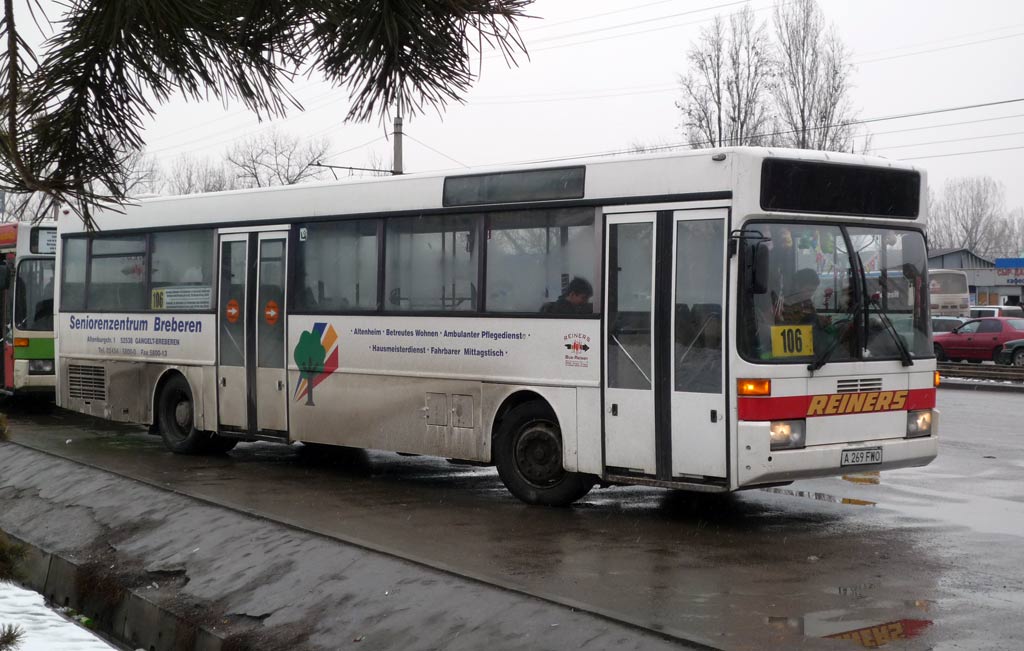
column 854, row 313
column 905, row 356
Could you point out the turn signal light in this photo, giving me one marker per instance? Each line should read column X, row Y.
column 938, row 380
column 21, row 342
column 754, row 387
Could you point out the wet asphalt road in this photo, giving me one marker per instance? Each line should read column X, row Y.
column 929, row 558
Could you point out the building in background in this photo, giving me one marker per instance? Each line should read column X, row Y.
column 992, row 282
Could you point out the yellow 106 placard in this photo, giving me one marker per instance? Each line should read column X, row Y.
column 792, row 341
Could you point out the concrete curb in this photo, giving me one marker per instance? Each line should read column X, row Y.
column 962, row 385
column 120, row 615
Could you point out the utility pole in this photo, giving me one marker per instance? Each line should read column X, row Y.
column 397, row 163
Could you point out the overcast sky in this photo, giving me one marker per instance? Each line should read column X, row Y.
column 603, row 75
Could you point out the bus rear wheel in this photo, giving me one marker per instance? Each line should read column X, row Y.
column 528, row 454
column 176, row 418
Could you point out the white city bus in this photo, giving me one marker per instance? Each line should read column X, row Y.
column 700, row 320
column 950, row 293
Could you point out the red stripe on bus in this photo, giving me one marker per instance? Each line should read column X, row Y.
column 790, row 407
column 8, row 364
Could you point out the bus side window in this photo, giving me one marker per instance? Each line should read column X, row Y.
column 431, row 263
column 535, row 257
column 336, row 266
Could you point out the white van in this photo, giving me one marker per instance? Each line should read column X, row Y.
column 996, row 310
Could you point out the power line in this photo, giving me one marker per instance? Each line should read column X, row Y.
column 439, row 153
column 940, row 49
column 542, row 100
column 310, row 106
column 964, row 153
column 947, row 124
column 944, row 142
column 643, row 21
column 601, row 15
column 789, row 131
column 941, row 40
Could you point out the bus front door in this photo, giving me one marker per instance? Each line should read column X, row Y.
column 665, row 408
column 629, row 426
column 696, row 352
column 252, row 395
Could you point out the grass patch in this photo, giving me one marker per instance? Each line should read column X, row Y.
column 11, row 556
column 10, row 637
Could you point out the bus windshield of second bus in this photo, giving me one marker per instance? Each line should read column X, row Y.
column 950, row 293
column 843, row 292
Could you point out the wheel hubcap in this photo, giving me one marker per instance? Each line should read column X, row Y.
column 1018, row 359
column 183, row 415
column 538, row 455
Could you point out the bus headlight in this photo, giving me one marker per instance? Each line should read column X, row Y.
column 40, row 367
column 787, row 434
column 919, row 423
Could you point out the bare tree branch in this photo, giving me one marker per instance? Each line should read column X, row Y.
column 275, row 158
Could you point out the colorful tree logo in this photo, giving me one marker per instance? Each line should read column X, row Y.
column 316, row 355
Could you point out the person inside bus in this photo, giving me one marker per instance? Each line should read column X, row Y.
column 575, row 300
column 798, row 303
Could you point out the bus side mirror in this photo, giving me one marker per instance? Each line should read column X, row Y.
column 5, row 275
column 759, row 269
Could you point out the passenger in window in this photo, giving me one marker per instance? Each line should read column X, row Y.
column 575, row 300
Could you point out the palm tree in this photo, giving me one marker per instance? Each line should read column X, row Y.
column 71, row 117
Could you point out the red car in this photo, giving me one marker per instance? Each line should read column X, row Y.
column 978, row 339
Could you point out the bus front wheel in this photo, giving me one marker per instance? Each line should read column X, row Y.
column 176, row 417
column 528, row 454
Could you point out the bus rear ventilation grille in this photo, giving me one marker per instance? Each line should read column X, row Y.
column 87, row 382
column 859, row 385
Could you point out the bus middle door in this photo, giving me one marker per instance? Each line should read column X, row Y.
column 252, row 394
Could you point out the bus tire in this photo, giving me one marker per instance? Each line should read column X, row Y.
column 175, row 415
column 528, row 453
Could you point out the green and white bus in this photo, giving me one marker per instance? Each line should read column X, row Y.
column 701, row 320
column 26, row 295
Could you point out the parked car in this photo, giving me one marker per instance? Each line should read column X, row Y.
column 979, row 339
column 978, row 311
column 946, row 323
column 1012, row 353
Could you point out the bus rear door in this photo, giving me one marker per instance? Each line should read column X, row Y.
column 252, row 393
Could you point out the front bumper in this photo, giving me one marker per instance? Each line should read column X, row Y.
column 758, row 464
column 24, row 381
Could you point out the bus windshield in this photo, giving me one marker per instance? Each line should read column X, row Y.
column 947, row 282
column 33, row 309
column 838, row 292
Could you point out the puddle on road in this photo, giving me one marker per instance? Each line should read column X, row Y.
column 821, row 497
column 869, row 478
column 848, row 625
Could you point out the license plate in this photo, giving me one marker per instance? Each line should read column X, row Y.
column 861, row 456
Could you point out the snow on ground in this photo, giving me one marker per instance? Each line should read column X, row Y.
column 44, row 629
